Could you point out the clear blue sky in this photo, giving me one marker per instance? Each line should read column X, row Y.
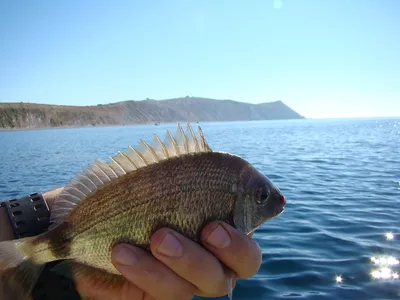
column 324, row 58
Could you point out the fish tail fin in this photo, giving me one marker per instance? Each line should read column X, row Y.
column 18, row 273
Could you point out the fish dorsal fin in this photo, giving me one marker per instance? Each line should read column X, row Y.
column 100, row 172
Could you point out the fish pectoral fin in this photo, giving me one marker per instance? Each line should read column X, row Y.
column 85, row 276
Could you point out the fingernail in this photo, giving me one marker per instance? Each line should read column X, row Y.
column 170, row 246
column 125, row 256
column 219, row 238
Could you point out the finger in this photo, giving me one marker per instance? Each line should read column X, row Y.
column 236, row 250
column 150, row 275
column 190, row 261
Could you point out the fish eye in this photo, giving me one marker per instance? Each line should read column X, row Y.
column 263, row 196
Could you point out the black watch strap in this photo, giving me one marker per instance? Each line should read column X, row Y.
column 28, row 216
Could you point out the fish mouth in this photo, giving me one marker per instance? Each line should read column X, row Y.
column 281, row 206
column 279, row 211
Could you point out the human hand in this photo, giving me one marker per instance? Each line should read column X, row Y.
column 179, row 268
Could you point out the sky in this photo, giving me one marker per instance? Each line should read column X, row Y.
column 324, row 59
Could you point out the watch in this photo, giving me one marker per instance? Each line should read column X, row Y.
column 29, row 216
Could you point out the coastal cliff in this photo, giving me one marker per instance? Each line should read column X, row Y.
column 30, row 115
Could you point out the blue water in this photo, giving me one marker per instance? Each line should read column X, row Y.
column 341, row 179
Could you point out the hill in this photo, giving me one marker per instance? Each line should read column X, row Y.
column 31, row 115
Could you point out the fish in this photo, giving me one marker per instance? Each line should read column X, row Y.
column 180, row 183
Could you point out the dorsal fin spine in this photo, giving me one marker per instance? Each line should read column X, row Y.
column 115, row 162
column 206, row 148
column 105, row 174
column 72, row 195
column 185, row 142
column 84, row 185
column 91, row 181
column 201, row 137
column 108, row 166
column 153, row 154
column 78, row 190
column 173, row 142
column 140, row 155
column 127, row 157
column 94, row 173
column 196, row 144
column 164, row 149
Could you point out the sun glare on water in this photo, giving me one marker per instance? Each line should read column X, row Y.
column 389, row 236
column 384, row 267
column 339, row 279
column 384, row 270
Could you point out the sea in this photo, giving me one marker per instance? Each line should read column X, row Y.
column 339, row 236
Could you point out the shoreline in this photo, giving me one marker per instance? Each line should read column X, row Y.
column 70, row 127
column 136, row 124
column 195, row 122
column 90, row 126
